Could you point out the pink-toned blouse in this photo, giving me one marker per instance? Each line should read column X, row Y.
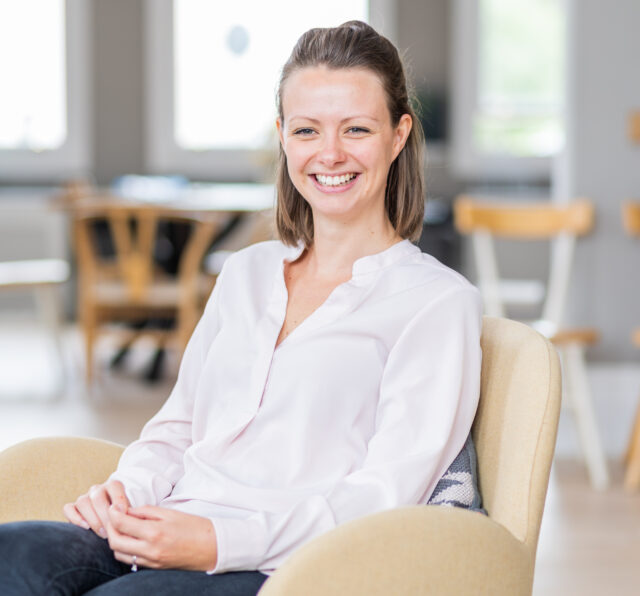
column 360, row 409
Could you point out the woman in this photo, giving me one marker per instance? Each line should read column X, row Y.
column 333, row 374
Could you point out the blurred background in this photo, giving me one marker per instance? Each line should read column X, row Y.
column 170, row 105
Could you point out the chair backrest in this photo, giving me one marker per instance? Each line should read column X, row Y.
column 133, row 232
column 485, row 220
column 631, row 217
column 515, row 427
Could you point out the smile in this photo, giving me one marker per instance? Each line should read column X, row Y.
column 334, row 180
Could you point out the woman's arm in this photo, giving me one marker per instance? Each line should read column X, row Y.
column 428, row 398
column 150, row 466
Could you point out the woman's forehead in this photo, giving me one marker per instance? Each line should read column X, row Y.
column 325, row 90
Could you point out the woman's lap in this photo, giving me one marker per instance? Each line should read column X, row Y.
column 60, row 558
column 53, row 558
column 172, row 581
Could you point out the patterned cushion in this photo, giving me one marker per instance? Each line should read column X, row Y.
column 458, row 487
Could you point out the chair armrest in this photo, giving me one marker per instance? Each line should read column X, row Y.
column 411, row 550
column 39, row 476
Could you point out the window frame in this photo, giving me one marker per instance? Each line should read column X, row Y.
column 162, row 154
column 73, row 157
column 467, row 162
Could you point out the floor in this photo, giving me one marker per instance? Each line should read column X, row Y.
column 589, row 542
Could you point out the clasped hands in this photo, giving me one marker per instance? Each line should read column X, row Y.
column 159, row 538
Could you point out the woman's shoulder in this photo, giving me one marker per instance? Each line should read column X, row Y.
column 424, row 273
column 434, row 289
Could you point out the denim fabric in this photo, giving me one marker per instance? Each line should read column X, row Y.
column 52, row 558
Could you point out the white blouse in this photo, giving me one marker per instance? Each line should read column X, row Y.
column 360, row 409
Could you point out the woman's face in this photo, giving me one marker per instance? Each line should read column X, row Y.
column 339, row 140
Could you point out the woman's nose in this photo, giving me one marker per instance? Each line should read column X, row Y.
column 331, row 151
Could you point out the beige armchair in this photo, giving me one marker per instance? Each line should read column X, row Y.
column 406, row 551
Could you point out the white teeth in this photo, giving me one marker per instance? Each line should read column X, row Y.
column 334, row 180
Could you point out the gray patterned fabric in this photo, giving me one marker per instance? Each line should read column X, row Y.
column 458, row 487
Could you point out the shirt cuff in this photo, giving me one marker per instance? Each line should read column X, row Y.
column 241, row 544
column 136, row 496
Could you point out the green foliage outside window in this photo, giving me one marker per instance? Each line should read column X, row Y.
column 520, row 77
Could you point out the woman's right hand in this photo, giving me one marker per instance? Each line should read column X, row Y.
column 91, row 510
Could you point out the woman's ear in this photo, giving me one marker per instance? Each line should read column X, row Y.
column 401, row 133
column 280, row 134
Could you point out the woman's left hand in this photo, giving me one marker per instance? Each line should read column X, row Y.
column 162, row 538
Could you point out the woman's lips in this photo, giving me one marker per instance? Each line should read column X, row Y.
column 334, row 189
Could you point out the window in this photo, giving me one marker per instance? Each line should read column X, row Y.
column 43, row 105
column 508, row 87
column 213, row 71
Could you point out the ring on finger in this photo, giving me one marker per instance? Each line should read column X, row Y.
column 134, row 564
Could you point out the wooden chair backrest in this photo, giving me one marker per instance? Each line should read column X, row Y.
column 631, row 217
column 485, row 219
column 524, row 221
column 133, row 231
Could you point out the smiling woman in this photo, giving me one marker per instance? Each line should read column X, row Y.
column 334, row 374
column 339, row 143
column 361, row 92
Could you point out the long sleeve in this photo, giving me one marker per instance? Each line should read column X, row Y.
column 150, row 466
column 427, row 399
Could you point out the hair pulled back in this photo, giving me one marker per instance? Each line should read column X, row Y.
column 355, row 44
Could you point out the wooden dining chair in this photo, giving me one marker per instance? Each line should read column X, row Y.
column 631, row 222
column 485, row 219
column 128, row 286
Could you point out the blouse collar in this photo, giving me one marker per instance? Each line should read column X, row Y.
column 381, row 260
column 369, row 263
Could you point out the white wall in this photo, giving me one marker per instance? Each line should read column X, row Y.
column 604, row 165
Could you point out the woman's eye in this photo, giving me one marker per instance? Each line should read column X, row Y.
column 358, row 130
column 303, row 131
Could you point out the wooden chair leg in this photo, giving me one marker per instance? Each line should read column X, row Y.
column 632, row 457
column 635, row 431
column 89, row 331
column 577, row 392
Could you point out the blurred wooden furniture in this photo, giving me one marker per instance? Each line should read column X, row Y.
column 415, row 550
column 130, row 286
column 485, row 219
column 44, row 278
column 631, row 221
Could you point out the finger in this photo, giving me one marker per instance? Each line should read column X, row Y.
column 86, row 510
column 126, row 544
column 117, row 495
column 130, row 545
column 130, row 525
column 73, row 515
column 140, row 561
column 150, row 512
column 100, row 501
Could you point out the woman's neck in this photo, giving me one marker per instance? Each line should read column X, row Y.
column 335, row 249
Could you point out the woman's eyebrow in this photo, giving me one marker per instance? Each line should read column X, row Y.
column 315, row 121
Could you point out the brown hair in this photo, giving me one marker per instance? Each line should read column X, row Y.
column 357, row 45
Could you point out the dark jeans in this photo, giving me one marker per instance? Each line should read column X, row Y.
column 53, row 558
